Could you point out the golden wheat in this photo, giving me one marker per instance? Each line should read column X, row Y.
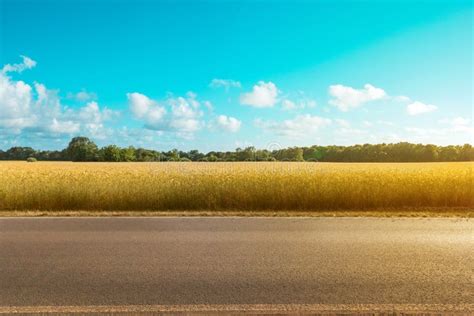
column 248, row 186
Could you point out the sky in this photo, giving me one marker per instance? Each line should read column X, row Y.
column 217, row 75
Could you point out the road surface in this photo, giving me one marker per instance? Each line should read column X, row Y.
column 260, row 264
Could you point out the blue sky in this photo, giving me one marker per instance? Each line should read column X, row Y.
column 216, row 75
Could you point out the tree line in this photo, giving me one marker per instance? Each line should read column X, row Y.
column 83, row 149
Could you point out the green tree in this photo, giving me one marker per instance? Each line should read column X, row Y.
column 142, row 154
column 20, row 153
column 313, row 153
column 247, row 154
column 466, row 153
column 448, row 153
column 429, row 153
column 127, row 154
column 212, row 158
column 82, row 149
column 111, row 153
column 172, row 155
column 292, row 154
column 195, row 155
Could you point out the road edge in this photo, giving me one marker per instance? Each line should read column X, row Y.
column 253, row 308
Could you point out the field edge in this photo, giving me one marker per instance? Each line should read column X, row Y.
column 320, row 309
column 404, row 212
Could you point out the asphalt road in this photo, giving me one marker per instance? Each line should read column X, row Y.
column 326, row 263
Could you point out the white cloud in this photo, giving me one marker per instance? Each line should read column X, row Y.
column 183, row 116
column 27, row 63
column 185, row 125
column 417, row 108
column 308, row 103
column 64, row 127
column 146, row 109
column 155, row 115
column 192, row 99
column 38, row 110
column 402, row 98
column 289, row 105
column 386, row 123
column 351, row 131
column 82, row 96
column 183, row 108
column 140, row 104
column 262, row 95
column 343, row 123
column 456, row 130
column 208, row 105
column 457, row 121
column 459, row 124
column 224, row 83
column 15, row 102
column 228, row 123
column 346, row 98
column 92, row 118
column 300, row 126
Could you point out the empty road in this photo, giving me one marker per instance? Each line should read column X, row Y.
column 260, row 264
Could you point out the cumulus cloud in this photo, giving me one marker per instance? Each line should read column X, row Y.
column 228, row 123
column 82, row 96
column 27, row 63
column 143, row 107
column 417, row 108
column 300, row 126
column 181, row 114
column 64, row 127
column 15, row 103
column 346, row 98
column 263, row 94
column 224, row 83
column 93, row 118
column 37, row 109
column 186, row 115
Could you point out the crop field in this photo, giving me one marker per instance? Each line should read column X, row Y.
column 246, row 186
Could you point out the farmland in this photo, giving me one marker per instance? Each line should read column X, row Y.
column 234, row 186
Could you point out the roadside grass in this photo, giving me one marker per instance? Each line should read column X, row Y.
column 236, row 189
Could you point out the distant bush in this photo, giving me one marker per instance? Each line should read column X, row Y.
column 31, row 159
column 185, row 160
column 212, row 158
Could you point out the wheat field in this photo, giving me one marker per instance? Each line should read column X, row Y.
column 246, row 186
